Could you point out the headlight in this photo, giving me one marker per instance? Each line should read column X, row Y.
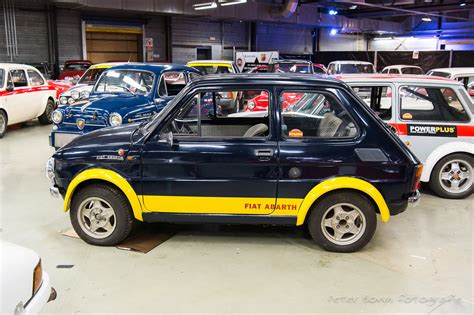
column 251, row 105
column 85, row 94
column 70, row 101
column 57, row 116
column 37, row 277
column 50, row 170
column 75, row 94
column 115, row 119
column 63, row 100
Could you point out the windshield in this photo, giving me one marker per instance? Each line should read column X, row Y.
column 412, row 70
column 2, row 77
column 125, row 81
column 290, row 68
column 91, row 76
column 354, row 68
column 77, row 66
column 439, row 74
column 213, row 69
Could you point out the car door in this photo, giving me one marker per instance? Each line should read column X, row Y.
column 17, row 100
column 38, row 92
column 430, row 116
column 317, row 137
column 211, row 162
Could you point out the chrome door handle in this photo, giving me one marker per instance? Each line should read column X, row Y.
column 264, row 154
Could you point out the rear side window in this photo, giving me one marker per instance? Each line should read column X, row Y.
column 2, row 77
column 410, row 70
column 431, row 104
column 35, row 78
column 378, row 98
column 171, row 83
column 18, row 78
column 314, row 115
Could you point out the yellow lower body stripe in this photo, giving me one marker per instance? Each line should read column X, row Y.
column 221, row 205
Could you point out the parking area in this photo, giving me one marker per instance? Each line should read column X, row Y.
column 420, row 262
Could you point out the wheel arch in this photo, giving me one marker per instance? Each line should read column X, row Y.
column 443, row 151
column 107, row 177
column 343, row 183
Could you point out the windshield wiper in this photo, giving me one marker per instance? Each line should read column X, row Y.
column 127, row 89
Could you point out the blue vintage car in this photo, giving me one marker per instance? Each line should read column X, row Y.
column 127, row 93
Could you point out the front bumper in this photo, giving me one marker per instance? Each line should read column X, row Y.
column 45, row 294
column 414, row 199
column 59, row 139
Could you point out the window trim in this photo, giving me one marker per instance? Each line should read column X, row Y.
column 386, row 84
column 432, row 121
column 153, row 86
column 38, row 73
column 282, row 137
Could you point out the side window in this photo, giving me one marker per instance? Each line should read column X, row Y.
column 315, row 115
column 35, row 78
column 378, row 98
column 393, row 71
column 384, row 71
column 431, row 104
column 18, row 78
column 193, row 76
column 220, row 113
column 331, row 69
column 171, row 83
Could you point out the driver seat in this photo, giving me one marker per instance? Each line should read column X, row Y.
column 256, row 130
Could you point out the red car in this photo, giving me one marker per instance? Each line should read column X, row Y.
column 260, row 102
column 74, row 69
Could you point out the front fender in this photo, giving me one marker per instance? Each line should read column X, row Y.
column 442, row 151
column 110, row 177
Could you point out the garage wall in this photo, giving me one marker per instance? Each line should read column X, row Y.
column 341, row 42
column 235, row 35
column 32, row 46
column 288, row 39
column 69, row 35
column 156, row 29
column 403, row 44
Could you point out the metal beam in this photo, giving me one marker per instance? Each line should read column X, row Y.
column 424, row 9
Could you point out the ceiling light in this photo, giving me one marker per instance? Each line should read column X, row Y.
column 426, row 19
column 333, row 32
column 231, row 2
column 205, row 5
column 333, row 12
column 462, row 4
column 353, row 7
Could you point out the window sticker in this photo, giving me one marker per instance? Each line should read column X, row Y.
column 295, row 133
column 407, row 116
column 432, row 131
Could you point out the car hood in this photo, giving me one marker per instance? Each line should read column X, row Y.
column 109, row 103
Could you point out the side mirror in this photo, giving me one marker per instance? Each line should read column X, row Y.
column 167, row 138
column 10, row 87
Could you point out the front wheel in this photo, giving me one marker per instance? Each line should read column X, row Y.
column 101, row 215
column 342, row 222
column 45, row 118
column 452, row 176
column 3, row 123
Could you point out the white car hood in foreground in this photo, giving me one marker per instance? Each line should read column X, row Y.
column 17, row 265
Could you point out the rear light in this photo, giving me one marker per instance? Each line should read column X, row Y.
column 416, row 181
column 37, row 277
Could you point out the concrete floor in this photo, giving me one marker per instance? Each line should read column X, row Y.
column 419, row 262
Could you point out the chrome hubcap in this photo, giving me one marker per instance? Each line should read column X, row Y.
column 2, row 124
column 456, row 176
column 343, row 224
column 96, row 217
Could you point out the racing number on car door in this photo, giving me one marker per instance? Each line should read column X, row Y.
column 212, row 157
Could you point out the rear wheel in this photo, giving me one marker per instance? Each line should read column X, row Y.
column 452, row 177
column 342, row 222
column 45, row 118
column 101, row 215
column 3, row 123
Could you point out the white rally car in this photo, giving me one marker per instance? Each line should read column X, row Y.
column 462, row 74
column 25, row 287
column 24, row 95
column 434, row 117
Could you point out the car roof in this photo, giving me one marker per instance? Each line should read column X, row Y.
column 396, row 78
column 210, row 62
column 106, row 65
column 401, row 66
column 268, row 78
column 455, row 71
column 156, row 68
column 352, row 62
column 78, row 61
column 290, row 61
column 9, row 66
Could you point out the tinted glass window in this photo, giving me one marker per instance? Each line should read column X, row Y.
column 318, row 70
column 91, row 76
column 126, row 81
column 18, row 78
column 439, row 74
column 213, row 69
column 2, row 77
column 393, row 71
column 316, row 115
column 77, row 66
column 290, row 68
column 411, row 70
column 431, row 104
column 354, row 68
column 219, row 114
column 378, row 98
column 35, row 78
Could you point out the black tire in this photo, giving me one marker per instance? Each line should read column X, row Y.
column 45, row 118
column 436, row 184
column 323, row 207
column 123, row 221
column 3, row 123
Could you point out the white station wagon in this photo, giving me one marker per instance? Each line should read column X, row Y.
column 24, row 95
column 434, row 117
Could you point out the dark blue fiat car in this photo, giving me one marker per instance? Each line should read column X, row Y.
column 123, row 94
column 328, row 162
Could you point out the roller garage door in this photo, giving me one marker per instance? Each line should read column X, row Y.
column 117, row 43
